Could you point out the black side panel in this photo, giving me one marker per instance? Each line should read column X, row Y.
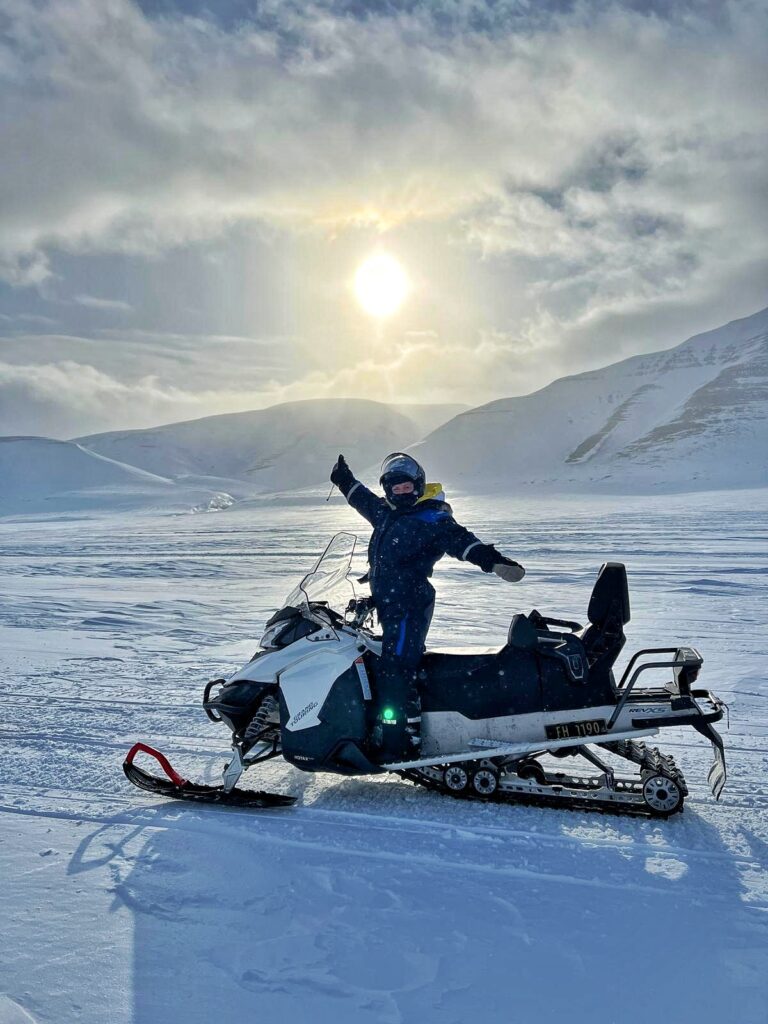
column 338, row 744
column 481, row 685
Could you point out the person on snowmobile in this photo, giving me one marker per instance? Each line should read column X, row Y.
column 413, row 527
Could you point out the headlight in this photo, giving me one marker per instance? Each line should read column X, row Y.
column 271, row 633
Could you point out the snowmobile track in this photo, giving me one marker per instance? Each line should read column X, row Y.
column 571, row 804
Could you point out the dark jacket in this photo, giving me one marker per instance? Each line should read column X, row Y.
column 406, row 544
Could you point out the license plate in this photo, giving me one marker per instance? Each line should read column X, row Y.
column 576, row 730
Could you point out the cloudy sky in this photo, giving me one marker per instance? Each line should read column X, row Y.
column 187, row 190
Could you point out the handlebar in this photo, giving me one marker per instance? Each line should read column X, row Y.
column 575, row 627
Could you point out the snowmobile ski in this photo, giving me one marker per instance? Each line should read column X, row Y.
column 179, row 788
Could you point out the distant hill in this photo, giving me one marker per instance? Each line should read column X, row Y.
column 693, row 417
column 40, row 473
column 280, row 448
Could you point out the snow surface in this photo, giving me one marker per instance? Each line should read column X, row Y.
column 371, row 901
column 692, row 418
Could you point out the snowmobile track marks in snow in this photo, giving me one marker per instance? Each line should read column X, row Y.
column 121, row 811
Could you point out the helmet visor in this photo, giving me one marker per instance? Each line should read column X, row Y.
column 401, row 464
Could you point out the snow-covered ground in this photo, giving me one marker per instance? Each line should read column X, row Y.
column 370, row 901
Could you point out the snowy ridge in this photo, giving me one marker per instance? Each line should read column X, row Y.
column 694, row 417
column 40, row 472
column 283, row 447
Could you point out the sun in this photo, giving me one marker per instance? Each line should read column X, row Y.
column 381, row 284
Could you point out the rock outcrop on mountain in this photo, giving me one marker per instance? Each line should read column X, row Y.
column 693, row 417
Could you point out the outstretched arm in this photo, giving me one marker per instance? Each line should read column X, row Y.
column 464, row 545
column 359, row 497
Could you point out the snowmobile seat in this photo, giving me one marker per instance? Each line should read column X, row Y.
column 539, row 668
column 481, row 685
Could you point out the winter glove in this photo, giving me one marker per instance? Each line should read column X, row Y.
column 509, row 570
column 342, row 475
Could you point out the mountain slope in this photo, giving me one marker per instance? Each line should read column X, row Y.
column 690, row 418
column 429, row 417
column 39, row 472
column 279, row 448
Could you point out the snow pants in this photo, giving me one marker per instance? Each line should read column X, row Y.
column 404, row 635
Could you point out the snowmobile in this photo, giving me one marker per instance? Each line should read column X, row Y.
column 495, row 723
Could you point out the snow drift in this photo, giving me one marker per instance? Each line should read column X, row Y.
column 42, row 473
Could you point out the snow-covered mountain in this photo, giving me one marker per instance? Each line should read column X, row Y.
column 283, row 447
column 693, row 417
column 42, row 473
column 429, row 417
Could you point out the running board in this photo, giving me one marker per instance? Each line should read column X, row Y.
column 516, row 750
column 179, row 788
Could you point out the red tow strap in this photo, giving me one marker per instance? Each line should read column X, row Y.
column 162, row 760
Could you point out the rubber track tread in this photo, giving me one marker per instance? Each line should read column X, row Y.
column 649, row 759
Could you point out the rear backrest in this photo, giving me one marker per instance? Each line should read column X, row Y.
column 610, row 595
column 608, row 612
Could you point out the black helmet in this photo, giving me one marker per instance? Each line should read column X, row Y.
column 399, row 468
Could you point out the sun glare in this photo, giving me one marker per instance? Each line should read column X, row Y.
column 381, row 285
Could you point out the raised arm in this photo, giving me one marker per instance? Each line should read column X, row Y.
column 461, row 543
column 359, row 497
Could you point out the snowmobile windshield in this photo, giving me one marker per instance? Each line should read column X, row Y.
column 328, row 582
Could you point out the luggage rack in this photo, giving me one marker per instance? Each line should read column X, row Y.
column 686, row 664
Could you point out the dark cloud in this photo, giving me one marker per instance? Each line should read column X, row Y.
column 64, row 386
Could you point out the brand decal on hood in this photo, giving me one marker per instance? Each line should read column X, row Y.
column 304, row 711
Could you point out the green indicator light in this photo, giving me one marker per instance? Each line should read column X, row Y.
column 388, row 714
